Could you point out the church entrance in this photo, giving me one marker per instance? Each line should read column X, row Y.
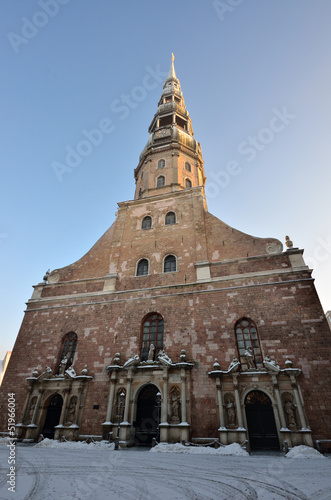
column 148, row 416
column 53, row 416
column 261, row 423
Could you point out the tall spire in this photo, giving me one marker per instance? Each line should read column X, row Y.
column 172, row 158
column 172, row 72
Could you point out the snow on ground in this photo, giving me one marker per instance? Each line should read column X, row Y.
column 92, row 473
column 81, row 445
column 232, row 449
column 304, row 452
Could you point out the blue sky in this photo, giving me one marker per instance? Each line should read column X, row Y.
column 256, row 78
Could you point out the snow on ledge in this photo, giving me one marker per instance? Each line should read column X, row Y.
column 304, row 452
column 233, row 449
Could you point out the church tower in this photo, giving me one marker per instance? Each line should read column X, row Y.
column 174, row 325
column 172, row 158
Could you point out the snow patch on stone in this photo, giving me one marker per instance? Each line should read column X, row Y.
column 304, row 452
column 233, row 449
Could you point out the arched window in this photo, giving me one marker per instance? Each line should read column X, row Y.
column 170, row 218
column 142, row 267
column 146, row 222
column 160, row 181
column 161, row 164
column 68, row 351
column 169, row 264
column 187, row 166
column 152, row 336
column 248, row 343
column 188, row 183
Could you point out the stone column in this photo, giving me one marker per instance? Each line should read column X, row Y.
column 128, row 395
column 298, row 403
column 26, row 404
column 64, row 407
column 183, row 400
column 279, row 402
column 111, row 397
column 220, row 402
column 237, row 398
column 31, row 433
column 164, row 409
column 164, row 425
column 36, row 408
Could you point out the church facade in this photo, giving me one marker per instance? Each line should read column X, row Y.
column 174, row 326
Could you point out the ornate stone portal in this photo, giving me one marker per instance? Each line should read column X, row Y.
column 173, row 383
column 67, row 389
column 281, row 386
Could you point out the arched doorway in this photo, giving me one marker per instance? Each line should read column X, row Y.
column 53, row 416
column 261, row 423
column 148, row 416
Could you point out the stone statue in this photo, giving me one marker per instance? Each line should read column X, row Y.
column 164, row 358
column 31, row 409
column 290, row 413
column 249, row 358
column 175, row 406
column 134, row 360
column 234, row 365
column 288, row 242
column 71, row 411
column 151, row 353
column 231, row 412
column 45, row 278
column 62, row 367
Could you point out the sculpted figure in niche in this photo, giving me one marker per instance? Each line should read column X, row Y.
column 175, row 406
column 151, row 352
column 290, row 413
column 249, row 358
column 71, row 411
column 231, row 414
column 31, row 409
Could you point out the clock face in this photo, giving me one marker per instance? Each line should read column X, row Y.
column 162, row 133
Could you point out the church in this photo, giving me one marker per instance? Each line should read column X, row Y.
column 174, row 326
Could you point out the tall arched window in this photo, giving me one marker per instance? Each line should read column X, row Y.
column 146, row 222
column 170, row 218
column 160, row 181
column 187, row 166
column 142, row 267
column 68, row 351
column 248, row 342
column 188, row 183
column 152, row 336
column 169, row 264
column 161, row 164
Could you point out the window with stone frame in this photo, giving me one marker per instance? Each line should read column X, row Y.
column 188, row 183
column 187, row 166
column 152, row 336
column 142, row 267
column 170, row 264
column 160, row 181
column 248, row 340
column 161, row 163
column 146, row 222
column 69, row 344
column 170, row 218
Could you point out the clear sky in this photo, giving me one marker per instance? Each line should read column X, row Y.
column 256, row 79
